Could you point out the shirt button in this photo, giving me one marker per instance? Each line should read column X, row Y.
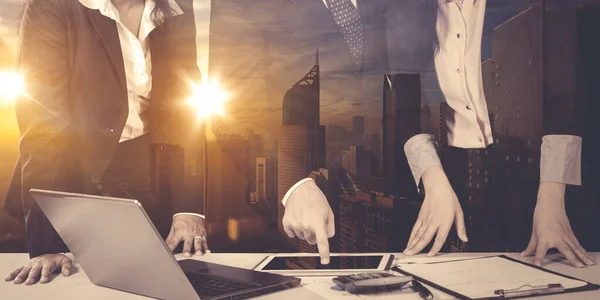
column 458, row 35
column 481, row 140
column 458, row 71
column 468, row 107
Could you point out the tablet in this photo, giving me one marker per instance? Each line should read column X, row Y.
column 309, row 264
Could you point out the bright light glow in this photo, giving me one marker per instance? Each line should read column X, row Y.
column 208, row 99
column 12, row 85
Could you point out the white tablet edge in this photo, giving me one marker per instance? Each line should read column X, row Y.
column 384, row 265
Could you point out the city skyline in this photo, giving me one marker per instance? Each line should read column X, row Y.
column 301, row 128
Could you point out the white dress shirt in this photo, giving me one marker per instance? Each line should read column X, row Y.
column 137, row 63
column 458, row 67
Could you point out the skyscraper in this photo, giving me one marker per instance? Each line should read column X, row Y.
column 293, row 161
column 543, row 78
column 401, row 118
column 261, row 178
column 301, row 137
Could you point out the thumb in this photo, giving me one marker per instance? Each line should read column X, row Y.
column 330, row 224
column 322, row 244
column 461, row 230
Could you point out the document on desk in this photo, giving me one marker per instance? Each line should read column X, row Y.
column 324, row 287
column 481, row 277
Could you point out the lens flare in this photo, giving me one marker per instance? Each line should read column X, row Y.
column 208, row 99
column 12, row 85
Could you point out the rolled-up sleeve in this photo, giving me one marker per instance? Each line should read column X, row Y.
column 421, row 154
column 561, row 159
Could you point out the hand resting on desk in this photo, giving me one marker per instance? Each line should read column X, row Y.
column 439, row 211
column 41, row 268
column 186, row 228
column 552, row 229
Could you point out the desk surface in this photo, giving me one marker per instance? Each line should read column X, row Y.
column 78, row 286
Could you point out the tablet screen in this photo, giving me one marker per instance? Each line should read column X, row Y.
column 314, row 263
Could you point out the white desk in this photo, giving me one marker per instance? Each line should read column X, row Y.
column 78, row 286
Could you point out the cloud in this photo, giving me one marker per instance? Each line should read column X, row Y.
column 356, row 104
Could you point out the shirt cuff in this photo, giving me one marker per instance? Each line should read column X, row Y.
column 421, row 154
column 561, row 159
column 293, row 188
column 189, row 214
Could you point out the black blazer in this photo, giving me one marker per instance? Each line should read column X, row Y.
column 77, row 107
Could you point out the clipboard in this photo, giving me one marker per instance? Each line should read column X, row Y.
column 526, row 290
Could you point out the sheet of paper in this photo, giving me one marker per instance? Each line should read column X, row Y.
column 440, row 258
column 324, row 287
column 479, row 278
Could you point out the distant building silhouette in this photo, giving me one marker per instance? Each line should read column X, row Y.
column 261, row 178
column 349, row 160
column 401, row 119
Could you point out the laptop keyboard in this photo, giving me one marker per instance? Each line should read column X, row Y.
column 210, row 285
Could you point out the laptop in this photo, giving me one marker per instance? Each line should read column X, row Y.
column 118, row 247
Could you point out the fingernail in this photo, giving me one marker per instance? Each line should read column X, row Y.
column 590, row 262
column 187, row 254
column 67, row 273
column 579, row 265
column 199, row 253
column 324, row 261
column 208, row 251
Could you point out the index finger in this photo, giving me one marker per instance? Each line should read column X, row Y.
column 322, row 244
column 173, row 241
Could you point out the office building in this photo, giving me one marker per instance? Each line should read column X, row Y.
column 401, row 117
column 292, row 162
column 543, row 78
column 301, row 137
column 261, row 178
column 349, row 160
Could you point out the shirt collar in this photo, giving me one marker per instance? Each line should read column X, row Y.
column 104, row 6
column 448, row 1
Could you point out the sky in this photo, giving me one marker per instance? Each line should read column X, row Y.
column 498, row 12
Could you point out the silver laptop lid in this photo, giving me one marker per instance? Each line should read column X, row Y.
column 116, row 244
